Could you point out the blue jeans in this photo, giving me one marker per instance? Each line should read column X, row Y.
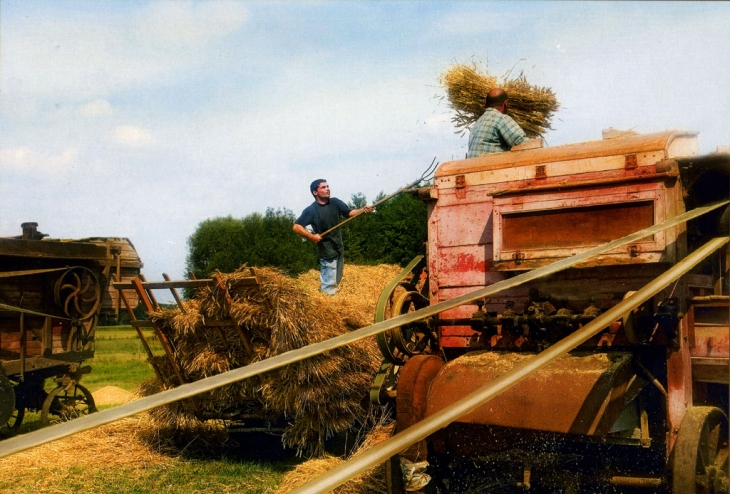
column 330, row 274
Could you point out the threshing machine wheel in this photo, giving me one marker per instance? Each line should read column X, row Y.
column 78, row 293
column 700, row 463
column 67, row 403
column 399, row 343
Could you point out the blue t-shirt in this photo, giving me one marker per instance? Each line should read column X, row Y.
column 322, row 217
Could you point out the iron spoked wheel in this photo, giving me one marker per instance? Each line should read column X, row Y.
column 700, row 463
column 399, row 344
column 13, row 424
column 67, row 403
column 78, row 293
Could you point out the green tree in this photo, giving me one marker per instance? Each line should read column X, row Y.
column 225, row 244
column 357, row 200
column 394, row 234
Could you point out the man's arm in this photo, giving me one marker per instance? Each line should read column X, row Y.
column 303, row 232
column 355, row 212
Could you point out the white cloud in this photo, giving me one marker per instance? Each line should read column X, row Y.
column 25, row 159
column 96, row 108
column 132, row 136
column 69, row 57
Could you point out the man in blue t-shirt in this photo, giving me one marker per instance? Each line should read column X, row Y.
column 324, row 213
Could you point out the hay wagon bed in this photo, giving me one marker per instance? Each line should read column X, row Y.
column 52, row 293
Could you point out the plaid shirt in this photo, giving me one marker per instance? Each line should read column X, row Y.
column 494, row 132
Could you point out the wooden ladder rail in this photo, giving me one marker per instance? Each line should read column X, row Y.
column 138, row 328
column 150, row 304
column 144, row 291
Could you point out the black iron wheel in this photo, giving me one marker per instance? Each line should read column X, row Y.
column 399, row 344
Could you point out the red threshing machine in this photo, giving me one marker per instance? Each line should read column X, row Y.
column 642, row 405
column 52, row 293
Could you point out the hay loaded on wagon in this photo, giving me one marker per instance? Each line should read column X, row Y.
column 248, row 316
column 52, row 293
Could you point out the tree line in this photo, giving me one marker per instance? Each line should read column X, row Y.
column 393, row 234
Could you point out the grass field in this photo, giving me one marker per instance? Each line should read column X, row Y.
column 120, row 360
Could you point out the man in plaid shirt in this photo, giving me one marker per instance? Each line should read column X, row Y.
column 495, row 131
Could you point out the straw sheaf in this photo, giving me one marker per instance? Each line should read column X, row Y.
column 321, row 396
column 467, row 86
column 372, row 481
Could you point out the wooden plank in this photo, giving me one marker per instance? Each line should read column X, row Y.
column 464, row 224
column 566, row 223
column 655, row 145
column 51, row 249
column 142, row 324
column 711, row 370
column 570, row 184
column 36, row 363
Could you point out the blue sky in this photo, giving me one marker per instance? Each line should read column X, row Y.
column 142, row 119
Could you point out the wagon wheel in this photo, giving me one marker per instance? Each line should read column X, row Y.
column 7, row 399
column 13, row 424
column 700, row 463
column 78, row 293
column 398, row 344
column 67, row 402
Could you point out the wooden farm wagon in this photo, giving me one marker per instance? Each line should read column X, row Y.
column 52, row 293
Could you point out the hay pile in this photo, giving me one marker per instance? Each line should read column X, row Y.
column 112, row 395
column 532, row 107
column 125, row 443
column 370, row 482
column 320, row 396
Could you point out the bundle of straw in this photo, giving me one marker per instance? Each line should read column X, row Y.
column 467, row 86
column 320, row 396
column 370, row 482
